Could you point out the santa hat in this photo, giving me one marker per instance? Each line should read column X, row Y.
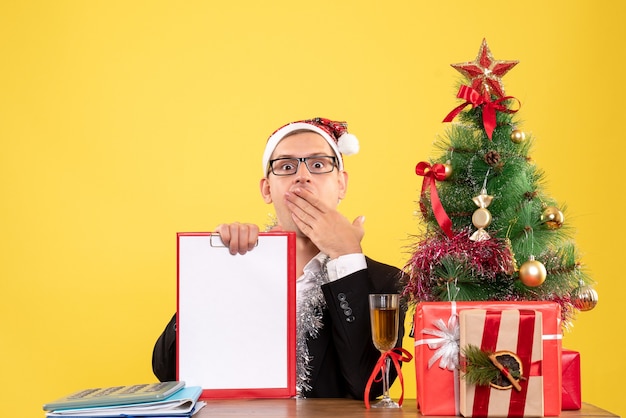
column 335, row 133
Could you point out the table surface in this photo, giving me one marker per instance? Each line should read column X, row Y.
column 333, row 408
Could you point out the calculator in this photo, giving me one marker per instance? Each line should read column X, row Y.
column 116, row 395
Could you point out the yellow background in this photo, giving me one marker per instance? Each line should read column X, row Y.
column 124, row 122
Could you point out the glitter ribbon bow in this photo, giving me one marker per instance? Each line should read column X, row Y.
column 474, row 98
column 446, row 343
column 396, row 355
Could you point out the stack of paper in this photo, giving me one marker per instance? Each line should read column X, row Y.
column 183, row 402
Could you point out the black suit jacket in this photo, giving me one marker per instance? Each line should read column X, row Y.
column 343, row 355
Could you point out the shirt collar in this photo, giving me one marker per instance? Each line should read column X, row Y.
column 315, row 265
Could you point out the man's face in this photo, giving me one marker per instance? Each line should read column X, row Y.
column 329, row 188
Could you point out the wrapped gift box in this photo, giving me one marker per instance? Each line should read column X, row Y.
column 572, row 398
column 436, row 333
column 513, row 333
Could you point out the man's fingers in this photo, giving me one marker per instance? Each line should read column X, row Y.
column 305, row 200
column 234, row 233
column 248, row 238
column 239, row 238
column 359, row 221
column 224, row 232
column 358, row 224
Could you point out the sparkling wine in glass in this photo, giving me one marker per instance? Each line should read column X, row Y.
column 384, row 320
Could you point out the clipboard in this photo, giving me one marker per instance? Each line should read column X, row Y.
column 236, row 333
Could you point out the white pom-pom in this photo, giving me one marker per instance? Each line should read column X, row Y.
column 348, row 144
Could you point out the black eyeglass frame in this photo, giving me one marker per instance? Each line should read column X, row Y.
column 305, row 161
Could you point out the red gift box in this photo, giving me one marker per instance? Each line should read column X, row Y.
column 571, row 394
column 506, row 333
column 436, row 335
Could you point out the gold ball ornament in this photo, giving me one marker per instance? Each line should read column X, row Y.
column 584, row 297
column 552, row 217
column 532, row 273
column 518, row 136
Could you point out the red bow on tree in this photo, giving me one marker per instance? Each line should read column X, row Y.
column 474, row 98
column 432, row 173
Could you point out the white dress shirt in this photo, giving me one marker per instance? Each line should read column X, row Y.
column 337, row 268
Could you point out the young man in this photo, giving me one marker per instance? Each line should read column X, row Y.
column 304, row 179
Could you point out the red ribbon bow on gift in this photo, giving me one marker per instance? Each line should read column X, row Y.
column 432, row 173
column 396, row 355
column 474, row 98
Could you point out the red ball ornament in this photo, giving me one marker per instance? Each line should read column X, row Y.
column 448, row 169
column 532, row 273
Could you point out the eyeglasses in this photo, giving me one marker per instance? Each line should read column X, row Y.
column 316, row 165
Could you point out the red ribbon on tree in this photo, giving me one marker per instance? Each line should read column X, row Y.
column 432, row 173
column 396, row 355
column 474, row 98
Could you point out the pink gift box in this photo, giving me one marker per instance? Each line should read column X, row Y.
column 571, row 394
column 436, row 334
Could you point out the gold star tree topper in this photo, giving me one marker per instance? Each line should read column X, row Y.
column 485, row 72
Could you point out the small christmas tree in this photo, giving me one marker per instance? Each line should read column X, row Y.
column 490, row 230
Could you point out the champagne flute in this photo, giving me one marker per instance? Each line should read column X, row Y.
column 384, row 321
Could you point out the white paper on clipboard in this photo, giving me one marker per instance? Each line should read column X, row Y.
column 236, row 316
